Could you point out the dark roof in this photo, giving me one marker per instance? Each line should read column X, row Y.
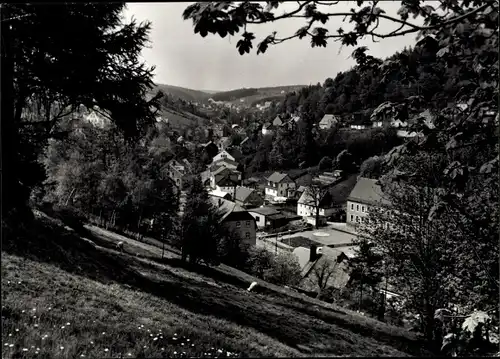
column 326, row 200
column 265, row 211
column 367, row 191
column 278, row 177
column 230, row 210
column 242, row 193
column 236, row 153
column 226, row 181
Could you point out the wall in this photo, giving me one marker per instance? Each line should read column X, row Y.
column 305, row 210
column 260, row 219
column 241, row 230
column 358, row 211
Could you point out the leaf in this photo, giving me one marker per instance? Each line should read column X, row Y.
column 302, row 32
column 443, row 51
column 403, row 12
column 470, row 324
column 378, row 11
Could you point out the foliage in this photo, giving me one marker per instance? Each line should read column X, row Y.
column 47, row 77
column 326, row 163
column 260, row 261
column 372, row 167
column 321, row 274
column 285, row 270
column 474, row 334
column 202, row 232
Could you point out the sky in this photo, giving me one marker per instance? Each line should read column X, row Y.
column 183, row 58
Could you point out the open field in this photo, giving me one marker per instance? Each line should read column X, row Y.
column 118, row 303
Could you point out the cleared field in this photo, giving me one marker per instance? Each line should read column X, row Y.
column 118, row 303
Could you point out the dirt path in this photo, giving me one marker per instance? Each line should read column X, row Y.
column 118, row 237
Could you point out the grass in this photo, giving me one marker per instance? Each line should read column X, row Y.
column 139, row 305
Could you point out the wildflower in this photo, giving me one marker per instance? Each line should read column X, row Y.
column 182, row 344
column 6, row 344
column 62, row 348
column 103, row 333
column 155, row 339
column 32, row 347
column 17, row 330
column 34, row 309
column 129, row 354
column 145, row 346
column 36, row 352
column 36, row 325
column 22, row 311
column 25, row 349
column 192, row 345
column 82, row 355
column 219, row 350
column 175, row 353
column 11, row 345
column 150, row 335
column 106, row 349
column 37, row 349
column 63, row 327
column 10, row 335
column 19, row 282
column 68, row 323
column 91, row 342
column 187, row 340
column 162, row 349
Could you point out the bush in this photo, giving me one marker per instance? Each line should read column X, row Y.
column 326, row 163
column 285, row 270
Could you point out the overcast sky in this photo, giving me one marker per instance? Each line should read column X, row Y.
column 183, row 58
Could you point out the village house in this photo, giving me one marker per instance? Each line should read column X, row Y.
column 268, row 217
column 237, row 220
column 328, row 121
column 223, row 155
column 291, row 124
column 226, row 162
column 307, row 205
column 220, row 194
column 277, row 122
column 248, row 197
column 225, row 179
column 177, row 171
column 366, row 194
column 278, row 185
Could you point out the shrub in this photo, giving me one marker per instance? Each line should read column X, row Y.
column 285, row 270
column 326, row 163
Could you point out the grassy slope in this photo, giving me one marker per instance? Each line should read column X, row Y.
column 181, row 120
column 121, row 302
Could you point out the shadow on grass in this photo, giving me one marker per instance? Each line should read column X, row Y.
column 46, row 242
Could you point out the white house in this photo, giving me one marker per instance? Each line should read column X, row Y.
column 278, row 185
column 267, row 129
column 307, row 205
column 328, row 121
column 366, row 194
column 222, row 156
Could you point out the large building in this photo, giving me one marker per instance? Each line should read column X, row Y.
column 366, row 194
column 237, row 220
column 278, row 185
column 307, row 205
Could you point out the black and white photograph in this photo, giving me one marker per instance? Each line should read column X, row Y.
column 250, row 179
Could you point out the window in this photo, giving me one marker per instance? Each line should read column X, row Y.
column 238, row 224
column 352, row 206
column 247, row 235
column 257, row 219
column 363, row 209
column 352, row 218
column 357, row 219
column 357, row 207
column 248, row 224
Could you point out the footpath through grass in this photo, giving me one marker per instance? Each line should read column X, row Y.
column 62, row 298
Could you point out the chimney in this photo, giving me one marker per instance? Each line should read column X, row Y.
column 312, row 253
column 220, row 202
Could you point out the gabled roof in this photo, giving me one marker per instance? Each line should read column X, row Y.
column 278, row 177
column 367, row 191
column 242, row 193
column 208, row 143
column 265, row 211
column 221, row 194
column 235, row 152
column 226, row 181
column 244, row 141
column 220, row 170
column 277, row 121
column 325, row 202
column 328, row 120
column 227, row 207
